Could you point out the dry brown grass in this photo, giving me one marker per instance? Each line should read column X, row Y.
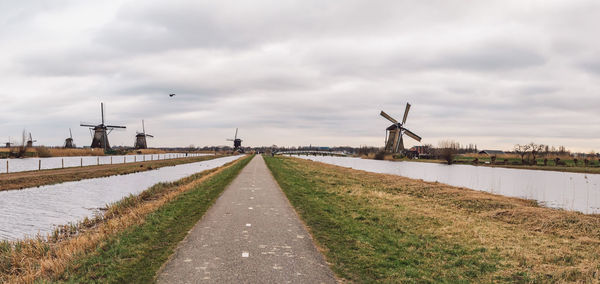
column 546, row 244
column 63, row 152
column 146, row 151
column 47, row 258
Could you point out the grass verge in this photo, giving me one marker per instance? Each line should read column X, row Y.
column 127, row 244
column 384, row 228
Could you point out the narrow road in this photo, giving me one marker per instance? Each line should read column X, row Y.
column 250, row 235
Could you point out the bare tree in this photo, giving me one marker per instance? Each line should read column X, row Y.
column 20, row 149
column 535, row 149
column 522, row 150
column 447, row 150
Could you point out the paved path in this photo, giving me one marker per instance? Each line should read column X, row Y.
column 250, row 235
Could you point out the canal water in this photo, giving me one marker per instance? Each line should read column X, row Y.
column 31, row 211
column 569, row 191
column 32, row 164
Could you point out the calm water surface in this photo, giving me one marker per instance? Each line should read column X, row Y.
column 570, row 191
column 38, row 210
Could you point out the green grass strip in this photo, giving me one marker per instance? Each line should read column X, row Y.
column 368, row 244
column 135, row 255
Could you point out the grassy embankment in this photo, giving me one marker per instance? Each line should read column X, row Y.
column 128, row 244
column 385, row 228
column 21, row 180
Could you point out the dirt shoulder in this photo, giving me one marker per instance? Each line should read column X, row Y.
column 22, row 180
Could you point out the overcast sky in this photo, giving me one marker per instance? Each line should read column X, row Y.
column 303, row 72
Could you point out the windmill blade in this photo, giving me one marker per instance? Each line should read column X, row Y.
column 70, row 133
column 400, row 144
column 148, row 135
column 388, row 117
column 236, row 130
column 412, row 135
column 102, row 112
column 87, row 125
column 228, row 139
column 406, row 113
column 116, row 126
column 143, row 127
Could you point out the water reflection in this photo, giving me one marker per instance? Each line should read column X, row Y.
column 570, row 191
column 29, row 211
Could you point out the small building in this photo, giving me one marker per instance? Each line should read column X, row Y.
column 492, row 152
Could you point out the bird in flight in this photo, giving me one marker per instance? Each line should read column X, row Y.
column 171, row 95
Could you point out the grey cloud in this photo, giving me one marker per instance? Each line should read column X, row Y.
column 492, row 57
column 292, row 72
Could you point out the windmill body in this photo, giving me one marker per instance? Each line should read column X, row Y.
column 140, row 138
column 101, row 131
column 394, row 142
column 69, row 141
column 30, row 141
column 237, row 142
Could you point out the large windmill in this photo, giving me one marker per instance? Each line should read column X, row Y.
column 237, row 142
column 101, row 131
column 30, row 141
column 69, row 141
column 140, row 138
column 393, row 135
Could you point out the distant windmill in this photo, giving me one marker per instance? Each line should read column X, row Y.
column 69, row 141
column 30, row 141
column 101, row 131
column 8, row 144
column 140, row 138
column 393, row 140
column 237, row 143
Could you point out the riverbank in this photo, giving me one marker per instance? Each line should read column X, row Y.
column 127, row 244
column 20, row 180
column 385, row 228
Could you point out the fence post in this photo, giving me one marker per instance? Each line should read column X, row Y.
column 39, row 164
column 144, row 158
column 124, row 160
column 98, row 160
column 62, row 161
column 7, row 166
column 134, row 158
column 111, row 160
column 81, row 162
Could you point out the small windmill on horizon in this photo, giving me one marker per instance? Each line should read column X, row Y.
column 140, row 138
column 394, row 142
column 30, row 141
column 237, row 142
column 69, row 141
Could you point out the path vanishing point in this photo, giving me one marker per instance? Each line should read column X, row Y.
column 250, row 235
